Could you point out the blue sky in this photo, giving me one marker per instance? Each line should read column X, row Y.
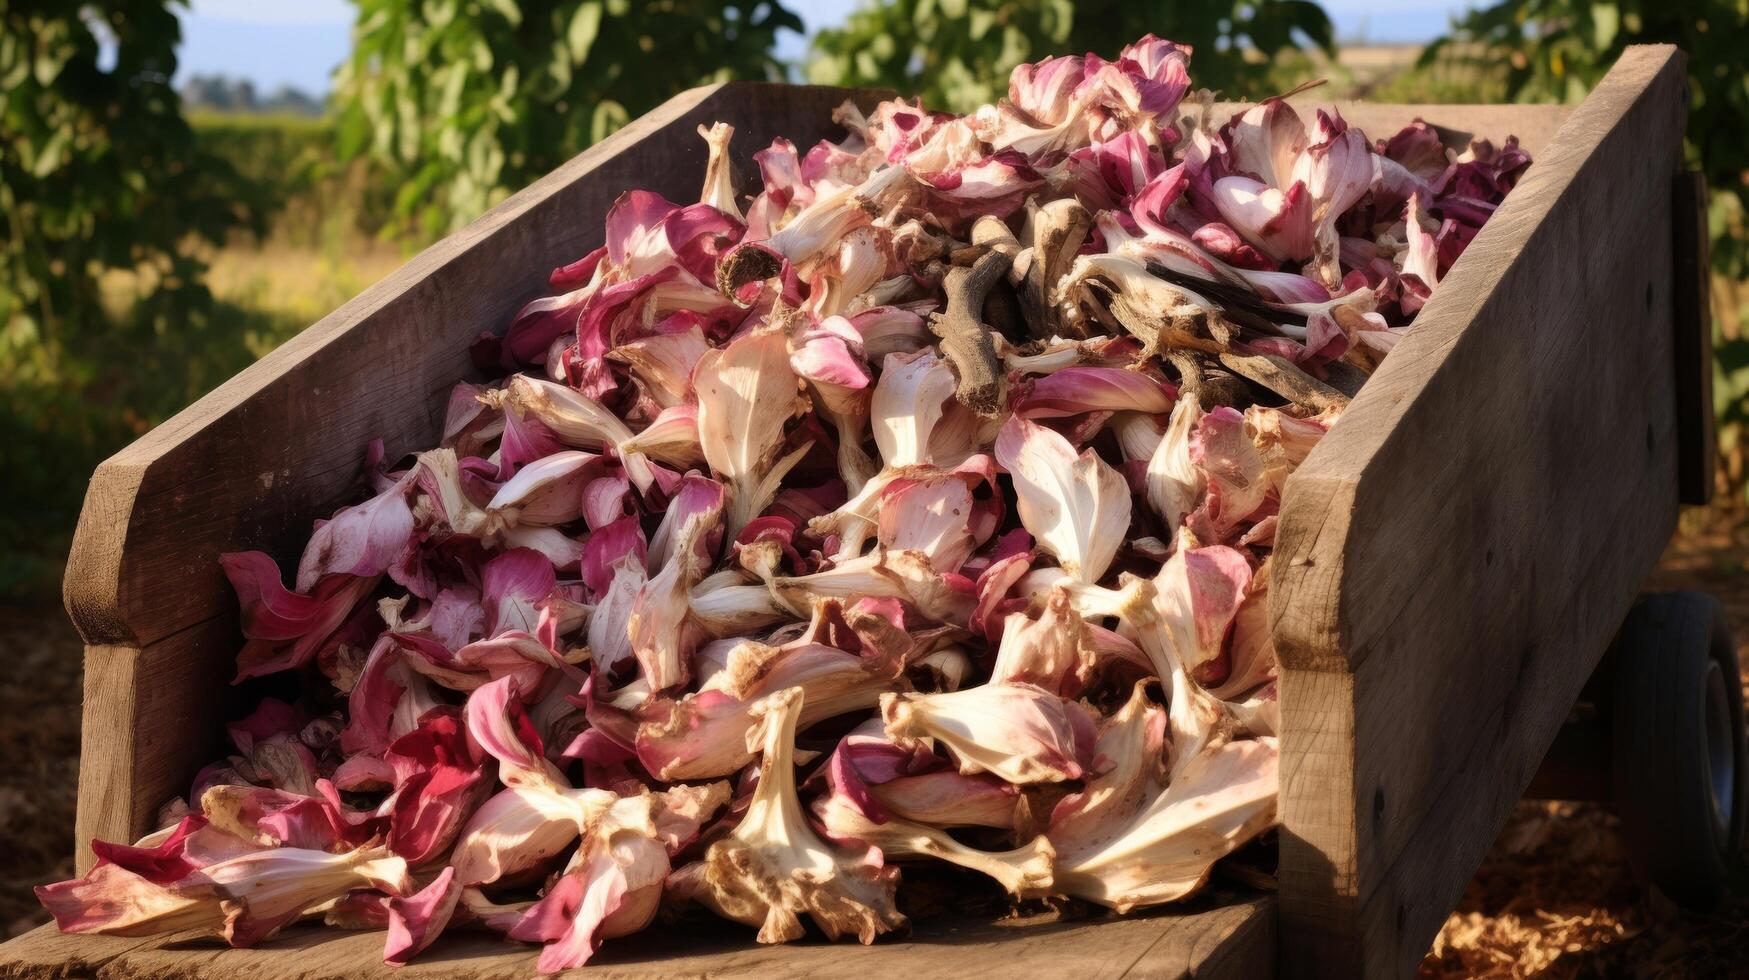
column 275, row 43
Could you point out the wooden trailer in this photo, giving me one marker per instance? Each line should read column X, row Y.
column 1452, row 560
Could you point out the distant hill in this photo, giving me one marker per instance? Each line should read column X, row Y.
column 224, row 93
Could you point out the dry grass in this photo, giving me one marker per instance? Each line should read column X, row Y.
column 301, row 283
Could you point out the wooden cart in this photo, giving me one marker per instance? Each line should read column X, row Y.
column 1451, row 563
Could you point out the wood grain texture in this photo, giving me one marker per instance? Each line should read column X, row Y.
column 1231, row 936
column 1453, row 558
column 1698, row 445
column 252, row 463
column 44, row 954
column 151, row 720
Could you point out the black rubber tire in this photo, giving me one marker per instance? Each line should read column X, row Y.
column 1678, row 836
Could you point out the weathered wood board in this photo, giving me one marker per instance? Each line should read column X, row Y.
column 1230, row 935
column 1455, row 556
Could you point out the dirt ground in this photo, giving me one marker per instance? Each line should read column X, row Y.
column 39, row 741
column 1553, row 899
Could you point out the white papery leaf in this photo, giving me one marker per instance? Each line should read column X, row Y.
column 746, row 392
column 1173, row 481
column 1220, row 799
column 908, row 402
column 773, row 868
column 575, row 418
column 719, row 182
column 1078, row 507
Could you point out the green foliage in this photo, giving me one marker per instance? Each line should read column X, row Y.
column 97, row 170
column 103, row 189
column 460, row 102
column 289, row 163
column 957, row 54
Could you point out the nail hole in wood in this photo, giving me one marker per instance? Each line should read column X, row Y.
column 1378, row 808
column 1490, row 557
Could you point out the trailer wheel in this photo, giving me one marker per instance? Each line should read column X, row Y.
column 1680, row 772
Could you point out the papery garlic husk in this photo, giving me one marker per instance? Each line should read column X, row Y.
column 1174, row 482
column 1022, row 871
column 706, row 734
column 1051, row 651
column 671, row 438
column 1020, row 733
column 243, row 900
column 1234, row 473
column 746, row 392
column 906, row 575
column 719, row 181
column 908, row 401
column 1198, row 592
column 899, row 781
column 1076, row 505
column 609, row 633
column 1221, row 798
column 497, row 724
column 732, row 609
column 520, row 828
column 546, row 492
column 362, row 540
column 773, row 868
column 662, row 365
column 660, row 625
column 611, row 887
column 417, row 920
column 575, row 418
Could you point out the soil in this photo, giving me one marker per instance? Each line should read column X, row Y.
column 39, row 741
column 1554, row 899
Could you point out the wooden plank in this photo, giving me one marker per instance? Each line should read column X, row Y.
column 1698, row 442
column 1455, row 555
column 107, row 750
column 1237, row 940
column 1226, row 936
column 44, row 954
column 252, row 463
column 151, row 720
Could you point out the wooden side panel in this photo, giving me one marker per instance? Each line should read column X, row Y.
column 107, row 752
column 151, row 720
column 1225, row 940
column 252, row 463
column 1455, row 556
